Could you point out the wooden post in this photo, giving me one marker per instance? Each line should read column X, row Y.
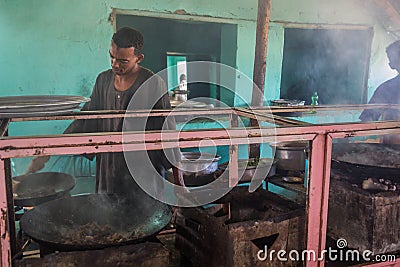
column 233, row 157
column 5, row 258
column 263, row 18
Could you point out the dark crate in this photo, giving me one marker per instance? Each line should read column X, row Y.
column 208, row 237
column 367, row 221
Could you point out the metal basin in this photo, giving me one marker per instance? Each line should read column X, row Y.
column 198, row 164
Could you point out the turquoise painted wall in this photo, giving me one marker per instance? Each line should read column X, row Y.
column 51, row 47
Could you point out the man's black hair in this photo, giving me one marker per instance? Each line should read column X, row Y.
column 127, row 37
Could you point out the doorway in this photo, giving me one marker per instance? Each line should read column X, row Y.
column 194, row 40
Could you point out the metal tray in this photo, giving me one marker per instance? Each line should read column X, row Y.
column 45, row 104
column 292, row 179
column 36, row 113
column 36, row 188
column 188, row 104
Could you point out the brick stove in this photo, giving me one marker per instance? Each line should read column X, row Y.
column 367, row 220
column 232, row 232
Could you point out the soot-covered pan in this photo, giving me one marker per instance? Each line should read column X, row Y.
column 95, row 221
column 367, row 159
column 36, row 188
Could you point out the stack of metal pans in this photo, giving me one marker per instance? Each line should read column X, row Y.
column 39, row 105
column 189, row 104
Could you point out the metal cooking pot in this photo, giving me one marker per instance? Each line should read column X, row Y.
column 198, row 164
column 36, row 188
column 291, row 156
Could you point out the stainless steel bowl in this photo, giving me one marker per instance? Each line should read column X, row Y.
column 198, row 164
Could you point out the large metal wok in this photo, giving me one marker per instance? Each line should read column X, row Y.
column 34, row 189
column 95, row 221
column 367, row 159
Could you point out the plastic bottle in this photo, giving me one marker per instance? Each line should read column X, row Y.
column 314, row 101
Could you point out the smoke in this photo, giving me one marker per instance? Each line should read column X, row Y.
column 329, row 61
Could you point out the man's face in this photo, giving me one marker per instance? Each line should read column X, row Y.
column 123, row 60
column 394, row 59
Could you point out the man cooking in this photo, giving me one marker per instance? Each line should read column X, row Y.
column 113, row 90
column 387, row 93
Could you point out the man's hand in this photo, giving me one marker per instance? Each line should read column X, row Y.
column 178, row 177
column 182, row 194
column 38, row 164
